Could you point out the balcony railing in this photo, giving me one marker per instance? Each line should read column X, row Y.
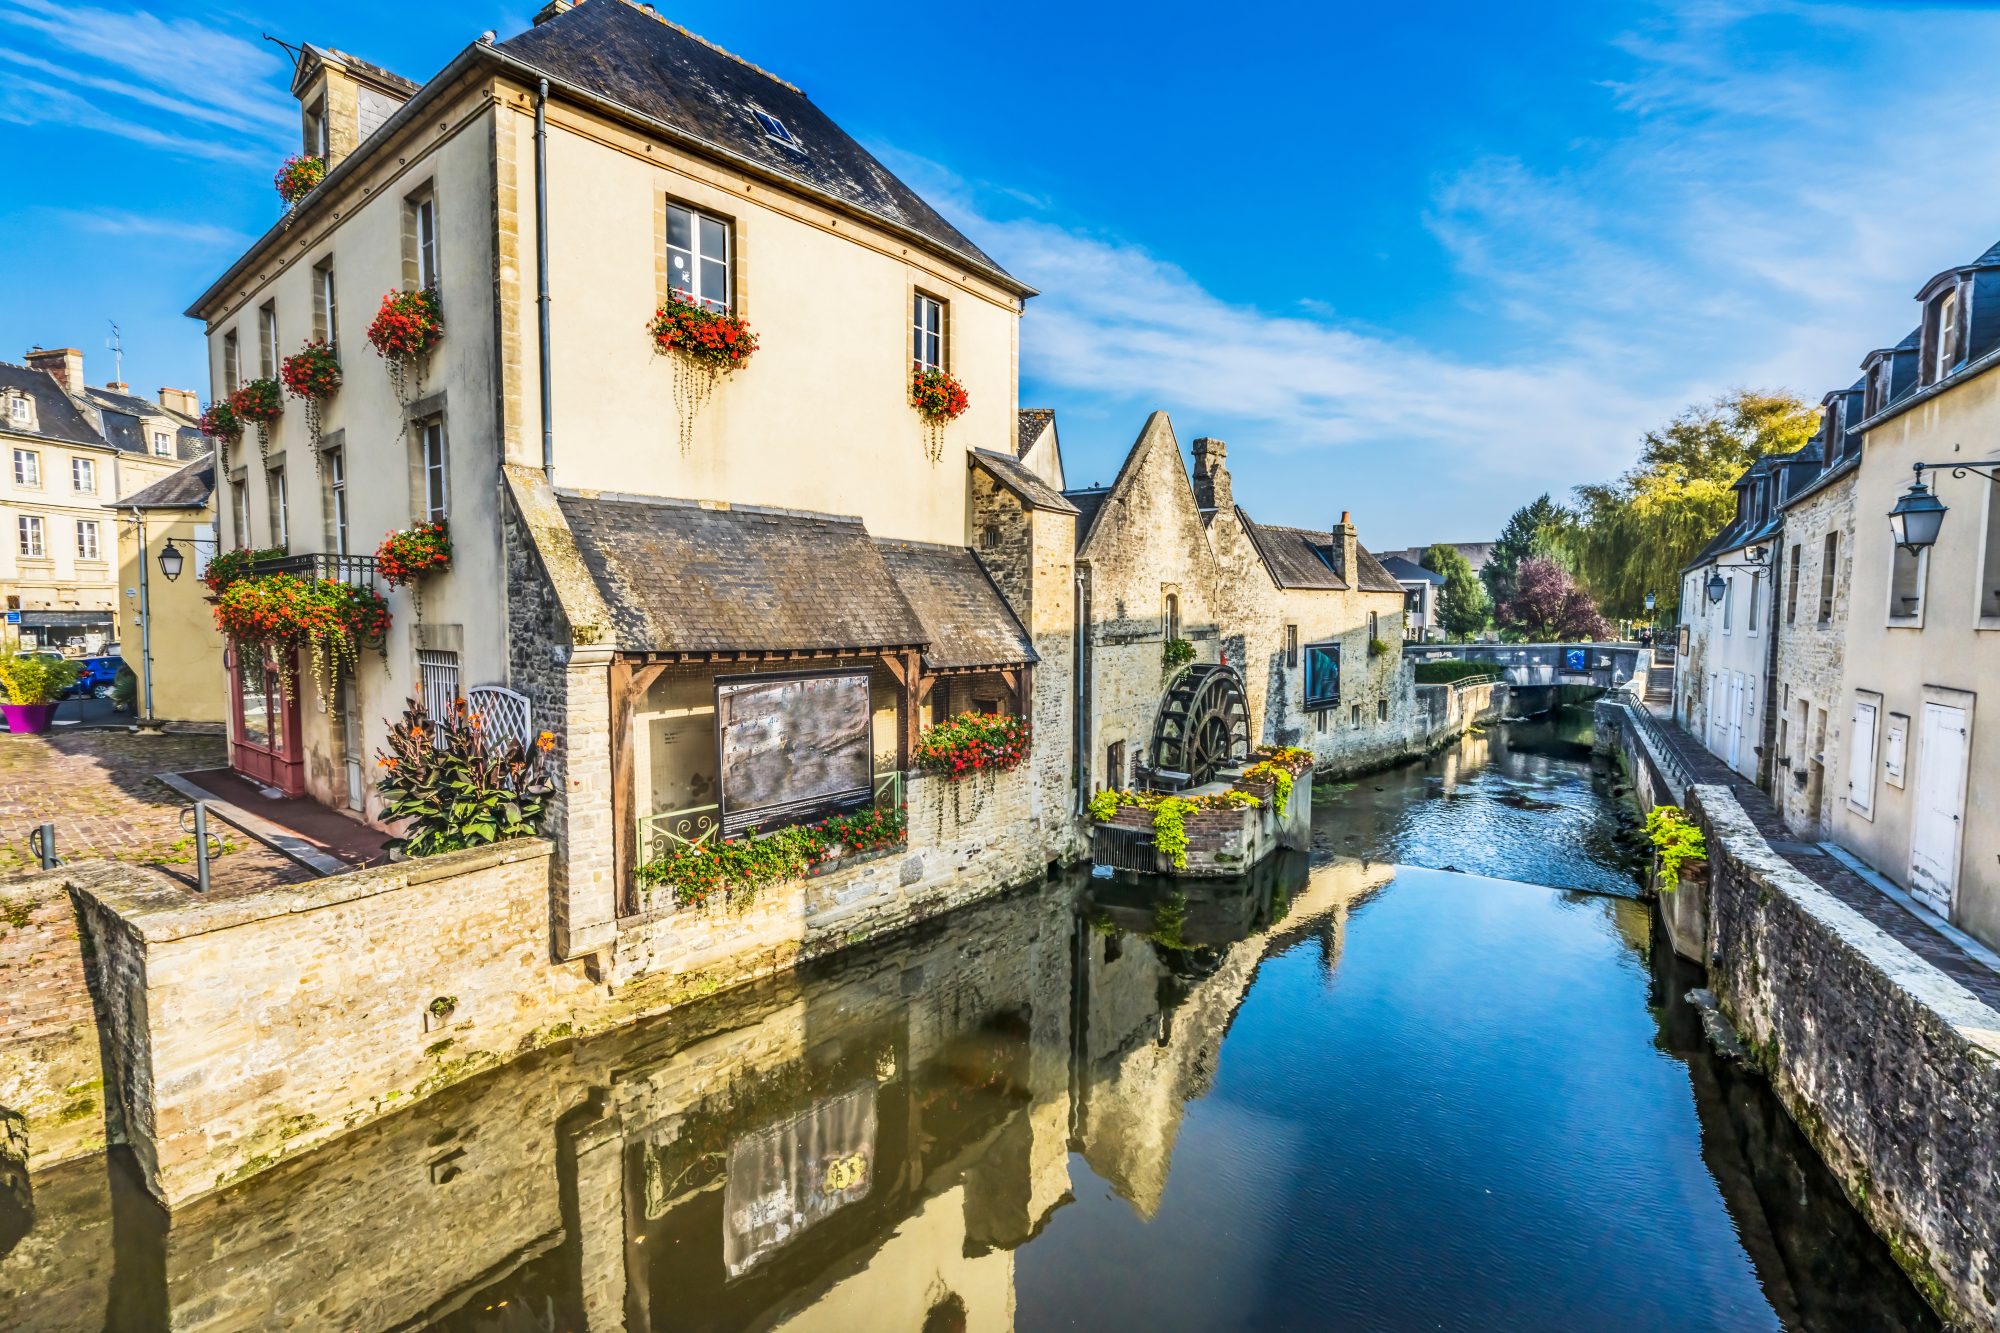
column 356, row 571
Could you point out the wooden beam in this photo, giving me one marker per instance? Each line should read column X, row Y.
column 627, row 685
column 912, row 675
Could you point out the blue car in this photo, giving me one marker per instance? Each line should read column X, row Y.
column 94, row 677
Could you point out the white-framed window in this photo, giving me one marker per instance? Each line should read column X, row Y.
column 1756, row 602
column 19, row 410
column 326, row 310
column 83, row 475
column 162, row 444
column 1728, row 603
column 28, row 531
column 437, row 676
column 316, row 142
column 424, row 217
column 1907, row 577
column 699, row 253
column 775, row 129
column 27, row 467
column 86, row 540
column 436, row 466
column 1947, row 335
column 336, row 490
column 239, row 514
column 267, row 340
column 274, row 480
column 927, row 333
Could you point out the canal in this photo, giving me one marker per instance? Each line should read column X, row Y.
column 1435, row 1075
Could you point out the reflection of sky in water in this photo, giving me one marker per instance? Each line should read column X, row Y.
column 1519, row 802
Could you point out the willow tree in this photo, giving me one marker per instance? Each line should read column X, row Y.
column 1635, row 535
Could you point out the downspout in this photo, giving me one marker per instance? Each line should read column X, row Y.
column 145, row 614
column 1080, row 633
column 542, row 275
column 1767, row 758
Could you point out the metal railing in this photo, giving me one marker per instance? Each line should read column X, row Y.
column 356, row 571
column 1641, row 719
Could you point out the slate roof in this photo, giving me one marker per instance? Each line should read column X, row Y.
column 134, row 406
column 1989, row 259
column 1302, row 558
column 57, row 417
column 124, row 431
column 679, row 577
column 1019, row 479
column 189, row 488
column 1407, row 572
column 1033, row 421
column 1087, row 501
column 647, row 65
column 967, row 623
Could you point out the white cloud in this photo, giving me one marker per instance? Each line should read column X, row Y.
column 182, row 230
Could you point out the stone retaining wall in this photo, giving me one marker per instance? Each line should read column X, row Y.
column 51, row 1081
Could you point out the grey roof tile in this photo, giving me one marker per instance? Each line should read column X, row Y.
column 682, row 577
column 1033, row 421
column 663, row 72
column 1409, row 572
column 1087, row 501
column 57, row 417
column 189, row 488
column 966, row 621
column 1021, row 481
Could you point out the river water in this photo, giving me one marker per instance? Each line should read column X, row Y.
column 1434, row 1076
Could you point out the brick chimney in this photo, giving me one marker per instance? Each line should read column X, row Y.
column 1211, row 475
column 183, row 401
column 118, row 386
column 1345, row 541
column 65, row 363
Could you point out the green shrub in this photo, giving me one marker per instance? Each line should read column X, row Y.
column 124, row 690
column 1447, row 670
column 458, row 785
column 32, row 678
column 1175, row 654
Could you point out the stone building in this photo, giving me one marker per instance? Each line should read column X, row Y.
column 71, row 448
column 1292, row 635
column 671, row 572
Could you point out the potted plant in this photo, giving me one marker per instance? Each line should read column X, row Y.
column 220, row 424
column 972, row 743
column 457, row 784
column 34, row 683
column 300, row 175
column 259, row 402
column 705, row 345
column 1679, row 850
column 330, row 619
column 312, row 374
column 939, row 398
column 404, row 332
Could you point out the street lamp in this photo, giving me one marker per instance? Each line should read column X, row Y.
column 1918, row 514
column 170, row 560
column 1651, row 602
column 1718, row 587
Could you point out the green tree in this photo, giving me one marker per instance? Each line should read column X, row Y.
column 1463, row 608
column 1528, row 533
column 1635, row 535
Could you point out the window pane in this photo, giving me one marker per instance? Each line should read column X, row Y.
column 715, row 283
column 680, row 228
column 714, row 239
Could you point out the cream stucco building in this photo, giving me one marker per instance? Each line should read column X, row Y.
column 165, row 625
column 71, row 449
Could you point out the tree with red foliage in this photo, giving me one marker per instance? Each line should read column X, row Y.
column 1548, row 607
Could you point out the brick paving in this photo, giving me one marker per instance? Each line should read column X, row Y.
column 101, row 791
column 1934, row 947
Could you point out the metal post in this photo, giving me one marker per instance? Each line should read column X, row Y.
column 43, row 841
column 201, row 846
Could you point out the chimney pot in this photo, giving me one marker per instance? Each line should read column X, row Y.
column 65, row 363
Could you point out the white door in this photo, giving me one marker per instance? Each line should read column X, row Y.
column 1735, row 723
column 1861, row 757
column 1940, row 812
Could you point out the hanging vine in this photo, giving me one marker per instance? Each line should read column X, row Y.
column 705, row 346
column 404, row 333
column 260, row 403
column 939, row 399
column 220, row 424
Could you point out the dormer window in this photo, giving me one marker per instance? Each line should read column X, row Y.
column 1946, row 341
column 775, row 129
column 20, row 412
column 1835, row 446
column 1878, row 388
column 315, row 125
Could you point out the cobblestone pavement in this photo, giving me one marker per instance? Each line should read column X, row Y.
column 100, row 790
column 1934, row 947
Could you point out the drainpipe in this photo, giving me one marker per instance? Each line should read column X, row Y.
column 145, row 616
column 542, row 273
column 1080, row 637
column 1767, row 758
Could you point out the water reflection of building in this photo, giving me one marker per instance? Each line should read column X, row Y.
column 861, row 1145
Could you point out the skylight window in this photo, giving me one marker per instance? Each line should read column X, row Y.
column 775, row 129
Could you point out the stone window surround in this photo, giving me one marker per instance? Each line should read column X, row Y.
column 719, row 207
column 21, row 414
column 424, row 192
column 424, row 412
column 1920, row 580
column 917, row 292
column 27, row 464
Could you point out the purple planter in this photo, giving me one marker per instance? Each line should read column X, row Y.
column 28, row 719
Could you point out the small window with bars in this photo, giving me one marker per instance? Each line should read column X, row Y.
column 437, row 678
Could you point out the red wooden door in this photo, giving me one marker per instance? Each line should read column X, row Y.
column 264, row 740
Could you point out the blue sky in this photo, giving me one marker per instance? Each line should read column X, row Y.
column 1417, row 262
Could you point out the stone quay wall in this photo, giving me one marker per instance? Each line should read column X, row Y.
column 1890, row 1067
column 1446, row 712
column 51, row 1080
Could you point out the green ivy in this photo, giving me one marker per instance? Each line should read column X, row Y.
column 1170, row 830
column 1176, row 653
column 1677, row 840
column 738, row 869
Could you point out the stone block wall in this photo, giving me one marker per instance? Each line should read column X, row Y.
column 51, row 1081
column 1890, row 1067
column 242, row 1030
column 1811, row 656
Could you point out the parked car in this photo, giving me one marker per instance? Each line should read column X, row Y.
column 95, row 677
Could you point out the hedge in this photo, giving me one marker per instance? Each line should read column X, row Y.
column 1450, row 669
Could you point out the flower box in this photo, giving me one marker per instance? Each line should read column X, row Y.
column 970, row 743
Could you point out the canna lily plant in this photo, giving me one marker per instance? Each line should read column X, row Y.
column 458, row 784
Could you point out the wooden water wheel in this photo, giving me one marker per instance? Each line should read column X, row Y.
column 1203, row 724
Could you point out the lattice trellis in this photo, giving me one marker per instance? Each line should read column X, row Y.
column 503, row 712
